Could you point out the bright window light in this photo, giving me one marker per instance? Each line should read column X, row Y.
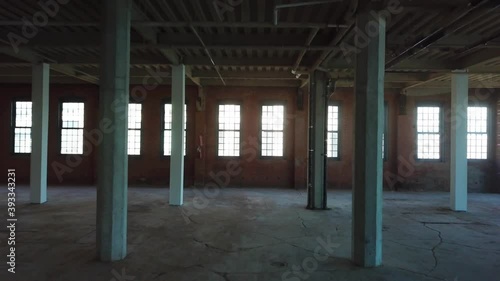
column 22, row 127
column 272, row 130
column 477, row 132
column 332, row 140
column 428, row 132
column 134, row 128
column 72, row 117
column 229, row 130
column 167, row 129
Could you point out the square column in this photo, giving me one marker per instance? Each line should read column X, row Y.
column 369, row 114
column 39, row 133
column 177, row 156
column 316, row 172
column 458, row 136
column 112, row 181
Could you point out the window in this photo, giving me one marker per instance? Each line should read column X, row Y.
column 477, row 135
column 22, row 127
column 385, row 131
column 167, row 130
column 134, row 128
column 229, row 130
column 332, row 138
column 272, row 130
column 428, row 132
column 72, row 117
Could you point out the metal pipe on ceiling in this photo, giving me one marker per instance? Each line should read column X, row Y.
column 208, row 53
column 439, row 33
column 485, row 43
column 186, row 24
column 309, row 40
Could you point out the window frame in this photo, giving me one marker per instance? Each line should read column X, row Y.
column 216, row 116
column 60, row 122
column 271, row 103
column 385, row 154
column 13, row 126
column 441, row 130
column 164, row 101
column 490, row 145
column 141, row 151
column 337, row 103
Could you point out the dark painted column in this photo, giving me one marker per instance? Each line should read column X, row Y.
column 316, row 174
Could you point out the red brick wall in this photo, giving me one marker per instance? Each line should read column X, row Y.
column 434, row 175
column 81, row 172
column 340, row 170
column 251, row 169
column 400, row 171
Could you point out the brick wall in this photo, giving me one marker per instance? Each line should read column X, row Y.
column 151, row 167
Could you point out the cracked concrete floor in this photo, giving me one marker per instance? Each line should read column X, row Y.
column 253, row 234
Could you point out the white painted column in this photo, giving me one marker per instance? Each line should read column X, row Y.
column 177, row 155
column 39, row 133
column 458, row 136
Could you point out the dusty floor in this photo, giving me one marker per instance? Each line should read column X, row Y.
column 252, row 234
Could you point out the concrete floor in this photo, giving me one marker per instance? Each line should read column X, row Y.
column 253, row 234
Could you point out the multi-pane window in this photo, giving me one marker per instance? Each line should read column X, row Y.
column 384, row 132
column 72, row 124
column 22, row 127
column 477, row 132
column 428, row 132
column 134, row 128
column 229, row 118
column 167, row 129
column 332, row 138
column 272, row 130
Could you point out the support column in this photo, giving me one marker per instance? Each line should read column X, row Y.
column 112, row 182
column 300, row 123
column 177, row 157
column 200, row 133
column 316, row 172
column 39, row 133
column 369, row 112
column 458, row 136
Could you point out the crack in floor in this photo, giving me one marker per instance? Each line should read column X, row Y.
column 421, row 273
column 238, row 249
column 435, row 246
column 283, row 241
column 302, row 220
